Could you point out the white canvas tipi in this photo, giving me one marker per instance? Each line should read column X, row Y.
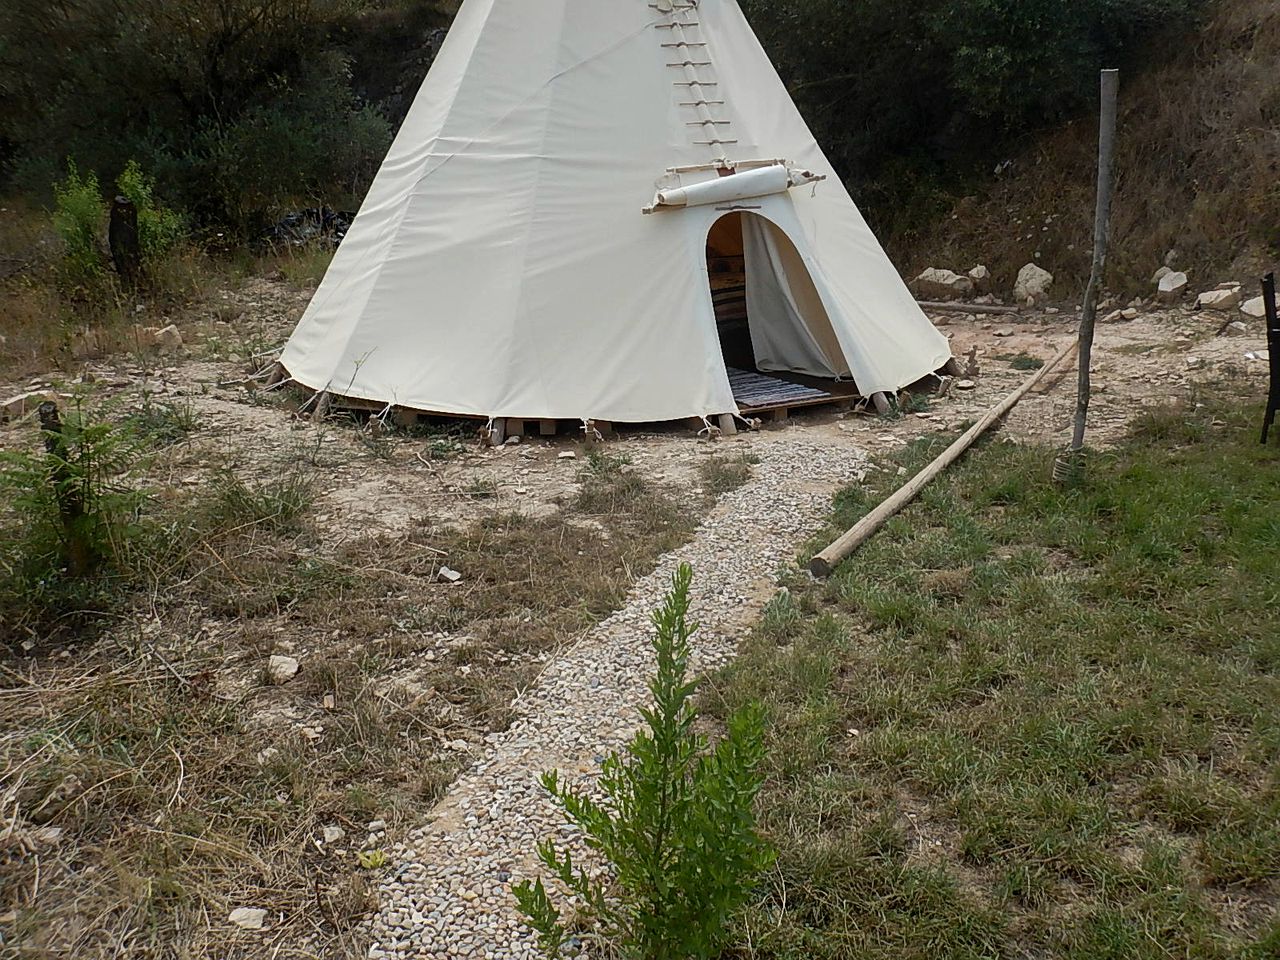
column 536, row 243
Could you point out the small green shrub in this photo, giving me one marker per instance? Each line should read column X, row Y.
column 73, row 502
column 159, row 228
column 77, row 218
column 275, row 504
column 677, row 824
column 165, row 422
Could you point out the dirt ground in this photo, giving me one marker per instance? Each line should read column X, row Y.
column 390, row 485
column 1166, row 353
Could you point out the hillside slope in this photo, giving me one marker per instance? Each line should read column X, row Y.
column 1198, row 168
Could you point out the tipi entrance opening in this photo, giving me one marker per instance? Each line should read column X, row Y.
column 778, row 343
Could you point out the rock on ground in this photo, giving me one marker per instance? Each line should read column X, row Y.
column 1033, row 284
column 1256, row 308
column 935, row 284
column 282, row 669
column 1221, row 299
column 1171, row 287
column 248, row 918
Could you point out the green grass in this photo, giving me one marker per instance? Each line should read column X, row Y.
column 1021, row 361
column 1033, row 721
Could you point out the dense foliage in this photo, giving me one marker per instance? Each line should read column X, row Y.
column 240, row 106
column 235, row 106
column 909, row 100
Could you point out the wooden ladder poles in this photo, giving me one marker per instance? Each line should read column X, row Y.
column 826, row 561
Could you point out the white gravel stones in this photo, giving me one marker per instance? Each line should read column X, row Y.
column 448, row 893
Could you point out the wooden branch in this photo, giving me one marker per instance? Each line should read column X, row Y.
column 959, row 306
column 826, row 561
column 1101, row 232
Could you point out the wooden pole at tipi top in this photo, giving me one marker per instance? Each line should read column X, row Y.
column 1101, row 236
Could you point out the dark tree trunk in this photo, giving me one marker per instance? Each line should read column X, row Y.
column 122, row 235
column 79, row 553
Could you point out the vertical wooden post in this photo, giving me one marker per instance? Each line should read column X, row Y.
column 1101, row 235
column 1273, row 352
column 69, row 497
column 123, row 239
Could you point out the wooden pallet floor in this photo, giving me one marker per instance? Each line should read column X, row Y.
column 755, row 392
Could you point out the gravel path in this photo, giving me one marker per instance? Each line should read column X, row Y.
column 448, row 893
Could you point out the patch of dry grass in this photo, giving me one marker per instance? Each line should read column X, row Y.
column 47, row 324
column 156, row 778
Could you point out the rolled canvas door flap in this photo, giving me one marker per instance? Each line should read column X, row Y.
column 790, row 329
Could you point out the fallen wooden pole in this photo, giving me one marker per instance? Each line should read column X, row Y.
column 826, row 561
column 958, row 306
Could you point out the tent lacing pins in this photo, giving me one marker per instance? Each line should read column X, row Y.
column 709, row 429
column 590, row 432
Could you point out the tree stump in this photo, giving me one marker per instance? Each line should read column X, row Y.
column 122, row 236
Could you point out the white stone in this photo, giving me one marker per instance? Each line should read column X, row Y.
column 1219, row 299
column 1172, row 286
column 1033, row 284
column 333, row 833
column 567, row 455
column 1236, row 328
column 168, row 338
column 965, row 384
column 1256, row 308
column 1160, row 275
column 281, row 669
column 248, row 918
column 981, row 277
column 936, row 284
column 1115, row 316
column 1194, row 363
column 1131, row 313
column 448, row 575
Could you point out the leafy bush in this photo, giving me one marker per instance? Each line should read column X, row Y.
column 911, row 102
column 677, row 825
column 77, row 218
column 207, row 102
column 159, row 228
column 73, row 515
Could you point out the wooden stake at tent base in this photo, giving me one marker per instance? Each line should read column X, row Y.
column 727, row 427
column 826, row 561
column 883, row 405
column 498, row 432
